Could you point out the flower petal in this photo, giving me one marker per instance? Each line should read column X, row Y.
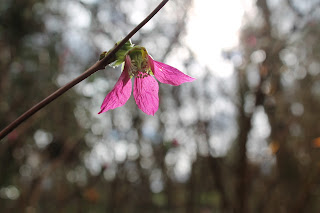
column 120, row 93
column 145, row 92
column 167, row 74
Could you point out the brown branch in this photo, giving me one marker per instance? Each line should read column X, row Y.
column 99, row 65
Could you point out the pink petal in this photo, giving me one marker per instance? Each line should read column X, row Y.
column 167, row 74
column 145, row 92
column 120, row 93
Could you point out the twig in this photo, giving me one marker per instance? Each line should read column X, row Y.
column 99, row 65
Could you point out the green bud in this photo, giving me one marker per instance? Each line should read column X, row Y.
column 103, row 54
column 120, row 54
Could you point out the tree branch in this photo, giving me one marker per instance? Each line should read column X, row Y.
column 99, row 65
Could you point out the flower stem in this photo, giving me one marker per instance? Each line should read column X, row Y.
column 99, row 65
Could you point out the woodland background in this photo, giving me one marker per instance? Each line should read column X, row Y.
column 249, row 143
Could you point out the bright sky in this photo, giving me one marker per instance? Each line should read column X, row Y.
column 213, row 27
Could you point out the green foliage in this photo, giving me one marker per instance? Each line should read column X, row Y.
column 121, row 54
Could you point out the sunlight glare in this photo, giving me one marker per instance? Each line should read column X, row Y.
column 213, row 27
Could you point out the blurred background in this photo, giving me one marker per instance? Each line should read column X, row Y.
column 244, row 137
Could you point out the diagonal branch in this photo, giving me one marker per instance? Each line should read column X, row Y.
column 99, row 65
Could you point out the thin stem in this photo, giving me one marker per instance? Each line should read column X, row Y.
column 94, row 68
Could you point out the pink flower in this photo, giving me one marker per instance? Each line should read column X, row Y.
column 141, row 66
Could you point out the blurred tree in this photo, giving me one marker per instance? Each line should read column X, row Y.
column 30, row 61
